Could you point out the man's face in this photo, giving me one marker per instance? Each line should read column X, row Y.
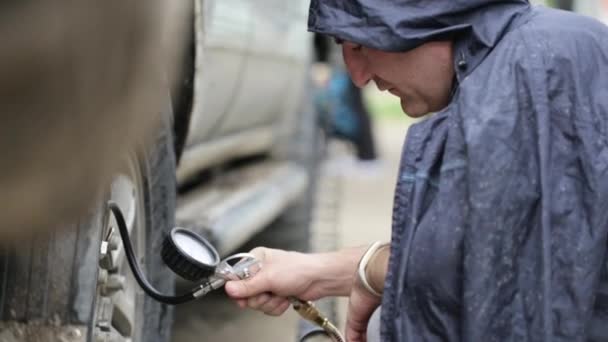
column 422, row 78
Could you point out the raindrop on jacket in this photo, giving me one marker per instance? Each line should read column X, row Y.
column 501, row 207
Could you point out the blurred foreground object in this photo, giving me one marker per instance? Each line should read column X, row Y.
column 80, row 82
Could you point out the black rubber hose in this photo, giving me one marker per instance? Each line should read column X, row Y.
column 141, row 279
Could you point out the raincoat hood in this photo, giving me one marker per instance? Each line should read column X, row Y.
column 402, row 25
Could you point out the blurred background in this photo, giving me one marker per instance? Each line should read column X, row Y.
column 248, row 132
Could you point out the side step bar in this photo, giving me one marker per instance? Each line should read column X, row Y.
column 242, row 203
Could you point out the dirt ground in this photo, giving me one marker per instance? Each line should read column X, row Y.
column 362, row 215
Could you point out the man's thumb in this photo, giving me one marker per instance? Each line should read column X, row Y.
column 244, row 288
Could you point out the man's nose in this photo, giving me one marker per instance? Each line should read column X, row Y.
column 357, row 67
column 360, row 77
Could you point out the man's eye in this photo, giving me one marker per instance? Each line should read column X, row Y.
column 357, row 47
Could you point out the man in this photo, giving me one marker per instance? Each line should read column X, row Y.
column 500, row 213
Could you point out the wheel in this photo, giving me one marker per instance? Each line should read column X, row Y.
column 79, row 277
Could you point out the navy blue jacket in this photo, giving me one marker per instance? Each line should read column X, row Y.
column 501, row 209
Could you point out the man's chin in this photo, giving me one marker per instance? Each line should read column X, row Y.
column 414, row 111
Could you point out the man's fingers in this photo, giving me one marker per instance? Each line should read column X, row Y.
column 242, row 303
column 279, row 310
column 268, row 304
column 260, row 253
column 254, row 286
column 355, row 336
column 360, row 308
column 271, row 307
column 355, row 331
column 258, row 302
column 356, row 328
column 244, row 288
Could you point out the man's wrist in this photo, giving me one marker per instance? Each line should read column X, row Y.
column 369, row 270
column 376, row 269
column 334, row 271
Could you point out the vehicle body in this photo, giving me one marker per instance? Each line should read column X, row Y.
column 248, row 90
column 243, row 130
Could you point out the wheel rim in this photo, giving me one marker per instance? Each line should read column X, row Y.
column 119, row 300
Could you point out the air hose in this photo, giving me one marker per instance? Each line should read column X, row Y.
column 139, row 276
column 309, row 312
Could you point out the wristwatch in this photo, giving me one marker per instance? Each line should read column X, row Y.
column 369, row 254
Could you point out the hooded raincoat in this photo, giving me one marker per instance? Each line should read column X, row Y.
column 501, row 207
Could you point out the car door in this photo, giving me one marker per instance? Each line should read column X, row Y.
column 249, row 80
column 270, row 67
column 224, row 32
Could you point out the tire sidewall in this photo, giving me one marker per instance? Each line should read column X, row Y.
column 159, row 203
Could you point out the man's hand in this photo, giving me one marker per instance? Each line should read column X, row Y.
column 361, row 306
column 362, row 303
column 305, row 276
column 282, row 274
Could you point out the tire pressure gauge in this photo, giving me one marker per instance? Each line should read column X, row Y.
column 189, row 255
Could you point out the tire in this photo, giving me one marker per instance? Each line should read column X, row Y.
column 52, row 279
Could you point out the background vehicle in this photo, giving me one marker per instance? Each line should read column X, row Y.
column 235, row 157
